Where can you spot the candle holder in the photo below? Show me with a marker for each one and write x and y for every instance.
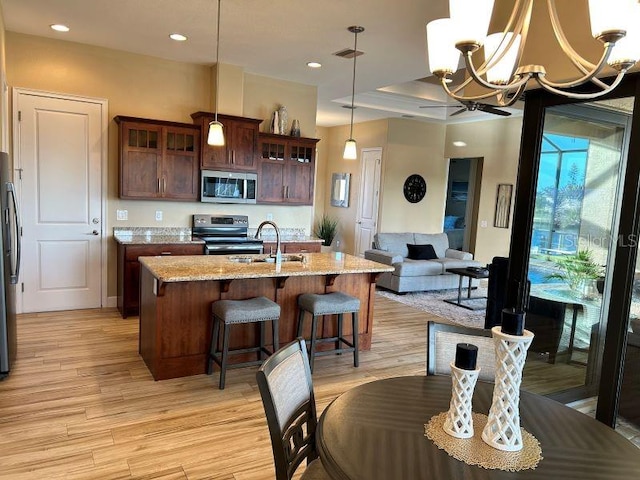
(502, 430)
(459, 421)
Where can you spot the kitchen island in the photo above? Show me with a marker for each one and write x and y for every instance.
(176, 295)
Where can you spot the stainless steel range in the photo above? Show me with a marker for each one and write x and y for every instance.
(225, 234)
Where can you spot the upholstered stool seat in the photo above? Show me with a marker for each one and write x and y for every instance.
(335, 303)
(234, 312)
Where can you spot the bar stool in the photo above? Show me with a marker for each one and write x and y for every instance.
(335, 303)
(233, 312)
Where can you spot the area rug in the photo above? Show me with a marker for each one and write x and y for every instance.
(433, 302)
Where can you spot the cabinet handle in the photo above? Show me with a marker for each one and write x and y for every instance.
(158, 188)
(233, 157)
(284, 191)
(164, 185)
(287, 191)
(165, 253)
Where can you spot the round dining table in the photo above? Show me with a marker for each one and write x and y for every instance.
(376, 432)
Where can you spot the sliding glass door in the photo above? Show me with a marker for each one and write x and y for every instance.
(574, 235)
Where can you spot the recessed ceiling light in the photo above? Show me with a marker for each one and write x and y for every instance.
(58, 27)
(459, 143)
(314, 64)
(178, 37)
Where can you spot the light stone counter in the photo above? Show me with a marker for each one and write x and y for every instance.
(153, 235)
(222, 267)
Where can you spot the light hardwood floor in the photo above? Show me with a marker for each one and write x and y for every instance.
(81, 404)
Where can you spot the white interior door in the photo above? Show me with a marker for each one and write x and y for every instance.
(367, 218)
(58, 155)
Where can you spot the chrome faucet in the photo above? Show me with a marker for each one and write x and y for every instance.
(278, 252)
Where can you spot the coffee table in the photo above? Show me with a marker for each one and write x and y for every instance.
(471, 275)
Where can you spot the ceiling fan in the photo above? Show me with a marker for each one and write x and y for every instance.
(469, 106)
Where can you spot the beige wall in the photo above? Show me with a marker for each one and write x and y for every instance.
(5, 128)
(368, 135)
(148, 87)
(414, 147)
(498, 143)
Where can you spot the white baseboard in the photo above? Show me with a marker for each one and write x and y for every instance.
(112, 302)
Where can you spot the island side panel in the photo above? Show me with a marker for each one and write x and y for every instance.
(175, 326)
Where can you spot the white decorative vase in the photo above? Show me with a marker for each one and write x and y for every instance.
(459, 421)
(283, 118)
(502, 430)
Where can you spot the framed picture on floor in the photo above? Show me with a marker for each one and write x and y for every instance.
(503, 205)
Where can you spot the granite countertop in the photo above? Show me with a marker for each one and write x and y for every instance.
(153, 235)
(182, 235)
(221, 267)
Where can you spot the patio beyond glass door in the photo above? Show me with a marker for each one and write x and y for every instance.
(577, 195)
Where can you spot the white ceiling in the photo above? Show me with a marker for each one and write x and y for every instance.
(274, 38)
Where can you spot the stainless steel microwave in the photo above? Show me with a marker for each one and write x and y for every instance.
(228, 187)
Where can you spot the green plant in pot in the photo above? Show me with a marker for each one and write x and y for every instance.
(579, 271)
(326, 228)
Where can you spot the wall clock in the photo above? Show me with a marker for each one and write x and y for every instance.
(415, 188)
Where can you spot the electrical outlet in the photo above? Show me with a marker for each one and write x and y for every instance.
(483, 224)
(122, 215)
(159, 215)
(270, 216)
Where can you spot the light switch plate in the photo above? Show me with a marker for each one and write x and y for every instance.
(159, 215)
(269, 216)
(483, 224)
(122, 215)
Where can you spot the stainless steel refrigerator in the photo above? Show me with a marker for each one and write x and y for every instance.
(9, 265)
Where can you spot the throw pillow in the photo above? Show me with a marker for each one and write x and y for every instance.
(421, 252)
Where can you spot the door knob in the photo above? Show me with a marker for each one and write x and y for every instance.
(95, 221)
(95, 232)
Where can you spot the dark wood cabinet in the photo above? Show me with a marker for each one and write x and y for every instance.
(241, 142)
(129, 269)
(293, 247)
(286, 169)
(158, 159)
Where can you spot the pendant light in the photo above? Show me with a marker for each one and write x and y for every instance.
(216, 135)
(350, 147)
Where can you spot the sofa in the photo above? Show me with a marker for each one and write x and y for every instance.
(418, 275)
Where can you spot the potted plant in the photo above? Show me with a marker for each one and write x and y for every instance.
(326, 228)
(579, 270)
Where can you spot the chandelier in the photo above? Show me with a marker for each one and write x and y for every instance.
(615, 23)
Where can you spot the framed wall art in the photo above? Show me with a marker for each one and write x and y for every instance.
(503, 205)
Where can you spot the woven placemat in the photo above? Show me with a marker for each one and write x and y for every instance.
(474, 451)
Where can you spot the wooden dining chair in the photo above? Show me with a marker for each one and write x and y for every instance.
(441, 348)
(284, 380)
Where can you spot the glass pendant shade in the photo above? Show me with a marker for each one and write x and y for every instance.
(609, 15)
(471, 18)
(216, 136)
(443, 54)
(627, 49)
(501, 72)
(350, 150)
